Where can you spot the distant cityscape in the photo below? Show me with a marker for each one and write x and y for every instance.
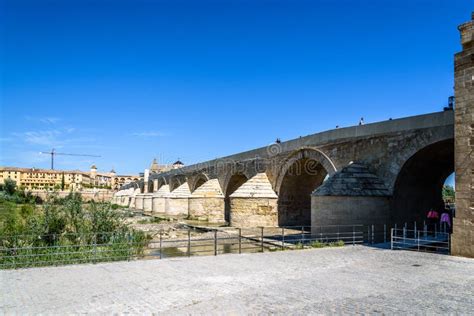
(73, 180)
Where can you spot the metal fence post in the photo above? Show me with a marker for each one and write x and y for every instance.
(449, 244)
(302, 234)
(161, 245)
(262, 239)
(372, 234)
(240, 240)
(95, 249)
(55, 257)
(368, 234)
(189, 242)
(418, 241)
(391, 238)
(384, 233)
(353, 235)
(282, 238)
(215, 242)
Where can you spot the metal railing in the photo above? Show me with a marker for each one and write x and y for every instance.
(257, 239)
(42, 250)
(420, 240)
(29, 250)
(32, 250)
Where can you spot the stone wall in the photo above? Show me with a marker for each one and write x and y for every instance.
(253, 212)
(463, 233)
(349, 210)
(159, 199)
(139, 201)
(148, 203)
(177, 206)
(159, 205)
(207, 209)
(177, 201)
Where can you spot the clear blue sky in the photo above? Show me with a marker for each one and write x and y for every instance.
(133, 80)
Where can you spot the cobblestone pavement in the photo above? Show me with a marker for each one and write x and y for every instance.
(338, 280)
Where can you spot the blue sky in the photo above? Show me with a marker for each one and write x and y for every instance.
(195, 80)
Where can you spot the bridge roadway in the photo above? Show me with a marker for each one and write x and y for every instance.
(352, 279)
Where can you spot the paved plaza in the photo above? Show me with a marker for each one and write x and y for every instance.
(333, 280)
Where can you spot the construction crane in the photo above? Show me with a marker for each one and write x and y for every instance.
(54, 153)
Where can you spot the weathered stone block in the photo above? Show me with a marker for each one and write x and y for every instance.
(139, 201)
(159, 205)
(147, 203)
(207, 208)
(349, 210)
(253, 212)
(177, 203)
(177, 206)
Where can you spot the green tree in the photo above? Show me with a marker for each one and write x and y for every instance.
(448, 192)
(10, 186)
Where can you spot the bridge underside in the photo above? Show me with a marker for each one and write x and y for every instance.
(420, 183)
(294, 198)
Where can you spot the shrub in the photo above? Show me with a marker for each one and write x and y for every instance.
(317, 244)
(299, 245)
(9, 186)
(320, 244)
(72, 227)
(339, 243)
(115, 206)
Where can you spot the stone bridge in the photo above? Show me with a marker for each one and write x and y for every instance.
(391, 171)
(382, 173)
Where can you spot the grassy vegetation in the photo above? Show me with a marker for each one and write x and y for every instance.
(63, 230)
(320, 244)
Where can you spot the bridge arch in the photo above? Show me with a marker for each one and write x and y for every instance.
(231, 184)
(141, 184)
(299, 175)
(419, 183)
(176, 181)
(198, 180)
(161, 182)
(149, 185)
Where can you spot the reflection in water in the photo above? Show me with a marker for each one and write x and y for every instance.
(203, 250)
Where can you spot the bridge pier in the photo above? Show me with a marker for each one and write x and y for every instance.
(352, 196)
(159, 200)
(147, 203)
(134, 197)
(463, 229)
(127, 199)
(139, 201)
(254, 203)
(207, 203)
(177, 202)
